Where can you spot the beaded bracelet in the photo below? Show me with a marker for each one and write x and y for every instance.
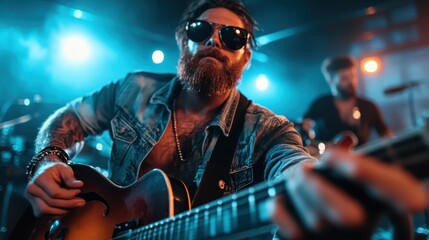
(50, 150)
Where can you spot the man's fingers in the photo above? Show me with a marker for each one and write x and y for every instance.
(67, 176)
(288, 227)
(306, 211)
(53, 189)
(39, 193)
(41, 207)
(333, 204)
(387, 181)
(319, 202)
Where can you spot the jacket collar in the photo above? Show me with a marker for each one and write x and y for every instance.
(223, 119)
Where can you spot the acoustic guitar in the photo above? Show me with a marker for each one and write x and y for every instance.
(158, 207)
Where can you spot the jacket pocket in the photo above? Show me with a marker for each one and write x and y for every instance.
(122, 129)
(241, 177)
(123, 135)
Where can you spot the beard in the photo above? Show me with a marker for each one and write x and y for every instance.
(208, 78)
(345, 93)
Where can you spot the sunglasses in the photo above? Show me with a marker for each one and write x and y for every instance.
(234, 38)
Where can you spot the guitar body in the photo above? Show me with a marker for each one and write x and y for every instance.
(153, 197)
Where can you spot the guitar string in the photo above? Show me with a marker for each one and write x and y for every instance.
(179, 226)
(140, 234)
(146, 230)
(278, 185)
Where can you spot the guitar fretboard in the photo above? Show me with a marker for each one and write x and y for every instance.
(245, 213)
(410, 150)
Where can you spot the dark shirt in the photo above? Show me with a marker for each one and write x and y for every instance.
(328, 121)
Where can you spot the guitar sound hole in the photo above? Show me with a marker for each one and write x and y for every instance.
(92, 196)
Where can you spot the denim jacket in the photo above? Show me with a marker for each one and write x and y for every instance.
(136, 110)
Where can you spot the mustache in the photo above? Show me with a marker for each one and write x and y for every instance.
(211, 53)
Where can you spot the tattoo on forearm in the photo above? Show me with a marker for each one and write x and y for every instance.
(62, 129)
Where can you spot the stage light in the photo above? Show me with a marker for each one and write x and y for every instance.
(75, 48)
(370, 65)
(157, 56)
(322, 148)
(262, 82)
(356, 113)
(27, 102)
(77, 13)
(371, 11)
(99, 146)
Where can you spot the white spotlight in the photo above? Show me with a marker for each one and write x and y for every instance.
(75, 48)
(77, 13)
(157, 56)
(27, 102)
(262, 82)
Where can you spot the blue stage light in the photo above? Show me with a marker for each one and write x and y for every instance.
(262, 82)
(75, 48)
(157, 56)
(77, 13)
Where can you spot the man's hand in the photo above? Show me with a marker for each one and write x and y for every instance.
(53, 190)
(321, 204)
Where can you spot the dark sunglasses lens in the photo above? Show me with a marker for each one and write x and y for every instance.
(234, 38)
(198, 31)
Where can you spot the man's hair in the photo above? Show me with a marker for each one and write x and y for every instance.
(195, 9)
(332, 65)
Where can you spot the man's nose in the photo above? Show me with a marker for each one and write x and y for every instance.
(214, 40)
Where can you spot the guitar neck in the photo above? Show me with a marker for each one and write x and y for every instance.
(409, 150)
(242, 214)
(246, 213)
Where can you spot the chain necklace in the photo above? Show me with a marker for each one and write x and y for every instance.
(176, 136)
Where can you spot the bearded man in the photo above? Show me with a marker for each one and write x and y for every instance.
(173, 123)
(343, 110)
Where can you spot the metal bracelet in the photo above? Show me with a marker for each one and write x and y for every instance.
(50, 150)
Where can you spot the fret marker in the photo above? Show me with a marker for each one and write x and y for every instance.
(213, 226)
(266, 209)
(252, 207)
(234, 213)
(196, 226)
(219, 216)
(206, 222)
(187, 228)
(227, 221)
